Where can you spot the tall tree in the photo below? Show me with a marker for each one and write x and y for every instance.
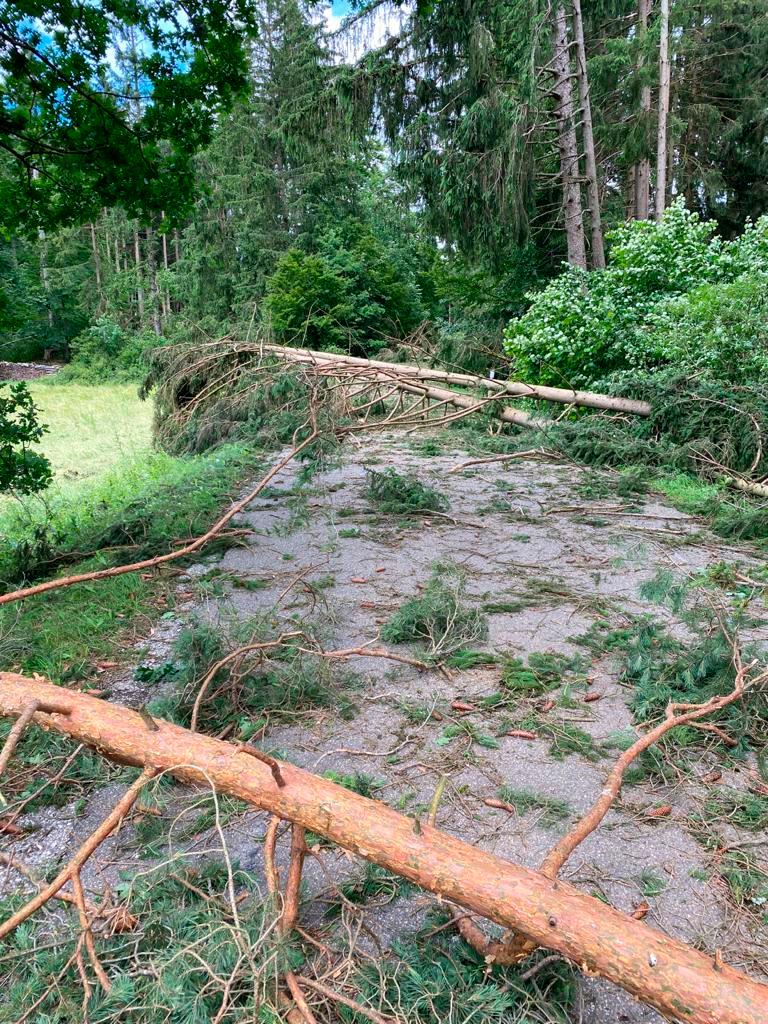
(562, 90)
(593, 184)
(284, 166)
(661, 130)
(642, 169)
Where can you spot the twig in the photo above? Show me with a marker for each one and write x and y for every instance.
(16, 732)
(108, 826)
(266, 759)
(318, 986)
(222, 662)
(293, 880)
(85, 927)
(530, 453)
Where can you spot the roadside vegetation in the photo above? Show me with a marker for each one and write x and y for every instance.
(180, 196)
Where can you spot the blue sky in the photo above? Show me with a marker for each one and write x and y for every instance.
(340, 7)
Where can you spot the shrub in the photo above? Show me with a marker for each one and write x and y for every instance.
(352, 294)
(721, 329)
(107, 351)
(669, 287)
(21, 470)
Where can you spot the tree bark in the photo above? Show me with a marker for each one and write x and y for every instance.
(661, 134)
(593, 185)
(153, 288)
(96, 263)
(567, 144)
(564, 396)
(643, 165)
(677, 980)
(166, 295)
(139, 284)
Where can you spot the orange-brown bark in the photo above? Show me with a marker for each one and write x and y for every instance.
(679, 981)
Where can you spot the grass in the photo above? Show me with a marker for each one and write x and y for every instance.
(91, 429)
(114, 499)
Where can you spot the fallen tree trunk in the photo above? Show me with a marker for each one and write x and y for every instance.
(563, 396)
(679, 981)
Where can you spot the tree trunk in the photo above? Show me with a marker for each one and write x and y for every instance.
(593, 185)
(567, 144)
(643, 166)
(661, 135)
(678, 981)
(139, 284)
(45, 277)
(564, 396)
(96, 263)
(166, 295)
(153, 289)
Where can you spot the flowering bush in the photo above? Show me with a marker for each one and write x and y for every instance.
(658, 301)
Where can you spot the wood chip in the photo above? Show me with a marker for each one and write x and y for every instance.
(523, 734)
(547, 706)
(590, 697)
(640, 911)
(713, 776)
(359, 579)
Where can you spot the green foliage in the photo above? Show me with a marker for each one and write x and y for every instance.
(748, 811)
(353, 294)
(402, 494)
(76, 141)
(251, 688)
(106, 351)
(651, 884)
(137, 507)
(439, 980)
(439, 618)
(375, 887)
(566, 739)
(543, 673)
(640, 311)
(36, 762)
(716, 329)
(469, 732)
(207, 393)
(173, 964)
(22, 470)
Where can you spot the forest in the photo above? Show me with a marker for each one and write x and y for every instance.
(384, 511)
